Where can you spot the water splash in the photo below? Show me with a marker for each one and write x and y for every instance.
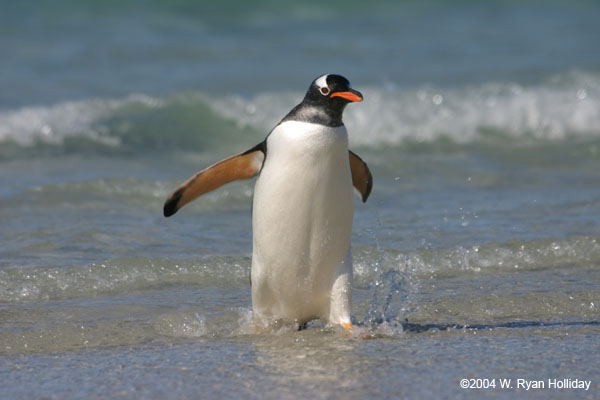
(389, 292)
(388, 295)
(182, 325)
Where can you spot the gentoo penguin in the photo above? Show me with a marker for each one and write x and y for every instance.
(302, 210)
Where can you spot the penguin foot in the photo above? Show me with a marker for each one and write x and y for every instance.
(346, 325)
(359, 332)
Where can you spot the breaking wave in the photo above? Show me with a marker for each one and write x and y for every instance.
(564, 107)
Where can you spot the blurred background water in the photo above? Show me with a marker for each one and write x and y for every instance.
(477, 255)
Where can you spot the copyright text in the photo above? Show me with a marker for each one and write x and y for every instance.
(525, 384)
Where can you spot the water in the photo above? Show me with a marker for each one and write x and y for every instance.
(477, 255)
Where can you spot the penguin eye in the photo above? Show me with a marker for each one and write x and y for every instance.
(325, 90)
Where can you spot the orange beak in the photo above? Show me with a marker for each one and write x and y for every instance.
(351, 95)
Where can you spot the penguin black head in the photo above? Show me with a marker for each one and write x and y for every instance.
(332, 89)
(325, 101)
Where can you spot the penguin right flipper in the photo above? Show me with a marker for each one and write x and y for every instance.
(240, 166)
(362, 179)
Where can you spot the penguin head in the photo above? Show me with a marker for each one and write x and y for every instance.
(332, 90)
(325, 100)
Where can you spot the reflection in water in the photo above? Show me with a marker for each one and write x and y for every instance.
(314, 359)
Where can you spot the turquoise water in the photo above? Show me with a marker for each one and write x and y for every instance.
(476, 256)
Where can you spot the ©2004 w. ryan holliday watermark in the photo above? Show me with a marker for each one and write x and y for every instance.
(524, 384)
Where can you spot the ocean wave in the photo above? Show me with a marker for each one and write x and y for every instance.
(116, 276)
(56, 123)
(123, 275)
(422, 284)
(505, 256)
(132, 125)
(138, 193)
(563, 107)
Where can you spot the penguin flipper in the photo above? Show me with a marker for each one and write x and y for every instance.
(362, 179)
(240, 166)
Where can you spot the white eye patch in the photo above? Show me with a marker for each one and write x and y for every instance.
(321, 83)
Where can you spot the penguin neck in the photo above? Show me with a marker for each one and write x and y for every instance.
(317, 113)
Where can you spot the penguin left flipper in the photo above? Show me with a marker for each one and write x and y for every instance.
(362, 179)
(240, 166)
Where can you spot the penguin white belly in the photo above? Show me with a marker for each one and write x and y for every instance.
(302, 222)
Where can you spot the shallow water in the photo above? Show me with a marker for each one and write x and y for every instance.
(476, 256)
